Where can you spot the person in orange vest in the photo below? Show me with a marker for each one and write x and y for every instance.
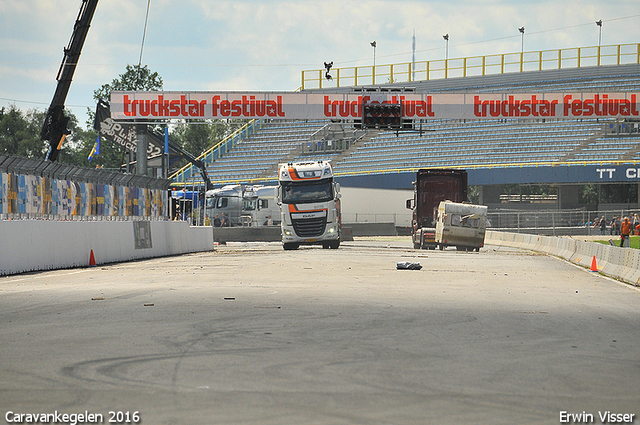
(625, 231)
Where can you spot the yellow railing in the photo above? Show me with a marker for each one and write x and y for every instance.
(459, 167)
(181, 176)
(617, 54)
(489, 166)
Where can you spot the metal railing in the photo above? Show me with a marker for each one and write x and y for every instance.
(555, 223)
(187, 172)
(577, 57)
(558, 223)
(395, 170)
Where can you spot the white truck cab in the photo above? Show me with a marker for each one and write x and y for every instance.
(309, 205)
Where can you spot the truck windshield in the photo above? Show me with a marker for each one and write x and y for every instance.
(305, 192)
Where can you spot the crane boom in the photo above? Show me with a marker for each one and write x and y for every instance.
(54, 128)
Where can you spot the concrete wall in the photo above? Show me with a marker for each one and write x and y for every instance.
(273, 234)
(29, 245)
(247, 234)
(618, 263)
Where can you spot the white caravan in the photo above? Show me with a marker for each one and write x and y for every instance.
(461, 225)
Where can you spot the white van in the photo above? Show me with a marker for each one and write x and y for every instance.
(461, 225)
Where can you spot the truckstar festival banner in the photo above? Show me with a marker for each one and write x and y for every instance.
(136, 105)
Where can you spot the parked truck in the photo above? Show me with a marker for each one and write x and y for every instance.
(430, 188)
(309, 201)
(242, 205)
(461, 225)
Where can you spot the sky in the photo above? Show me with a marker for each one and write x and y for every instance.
(238, 45)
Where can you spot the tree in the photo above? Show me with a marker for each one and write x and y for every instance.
(197, 137)
(111, 156)
(20, 132)
(135, 77)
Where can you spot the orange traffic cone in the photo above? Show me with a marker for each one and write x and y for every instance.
(594, 267)
(92, 259)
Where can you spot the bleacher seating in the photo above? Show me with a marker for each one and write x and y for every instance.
(447, 143)
(255, 156)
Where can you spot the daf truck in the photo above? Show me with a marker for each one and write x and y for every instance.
(430, 188)
(309, 201)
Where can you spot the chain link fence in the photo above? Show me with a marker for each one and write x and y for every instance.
(557, 223)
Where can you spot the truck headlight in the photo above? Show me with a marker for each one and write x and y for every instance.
(332, 229)
(287, 232)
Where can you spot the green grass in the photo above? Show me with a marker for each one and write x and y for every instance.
(633, 240)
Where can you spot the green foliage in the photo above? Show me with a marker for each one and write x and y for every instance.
(197, 137)
(20, 132)
(634, 241)
(619, 193)
(589, 194)
(474, 194)
(135, 77)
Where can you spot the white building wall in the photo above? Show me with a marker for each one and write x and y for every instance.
(361, 205)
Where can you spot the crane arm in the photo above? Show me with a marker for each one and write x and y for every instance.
(54, 128)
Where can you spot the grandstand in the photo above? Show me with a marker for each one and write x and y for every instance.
(542, 147)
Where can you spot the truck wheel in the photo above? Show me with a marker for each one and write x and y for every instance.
(325, 246)
(290, 246)
(334, 245)
(416, 245)
(441, 247)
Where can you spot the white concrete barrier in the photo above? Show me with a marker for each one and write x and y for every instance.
(613, 261)
(29, 245)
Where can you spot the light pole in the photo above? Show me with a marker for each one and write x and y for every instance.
(599, 24)
(373, 71)
(446, 53)
(521, 29)
(446, 46)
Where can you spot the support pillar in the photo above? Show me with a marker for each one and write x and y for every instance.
(141, 149)
(489, 194)
(568, 197)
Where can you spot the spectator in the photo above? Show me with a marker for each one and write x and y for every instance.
(635, 222)
(223, 221)
(603, 226)
(625, 231)
(216, 221)
(612, 227)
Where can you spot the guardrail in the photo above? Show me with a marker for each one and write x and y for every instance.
(619, 263)
(577, 57)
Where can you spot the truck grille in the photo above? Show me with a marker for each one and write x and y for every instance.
(309, 227)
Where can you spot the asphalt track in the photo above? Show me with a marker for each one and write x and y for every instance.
(252, 334)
